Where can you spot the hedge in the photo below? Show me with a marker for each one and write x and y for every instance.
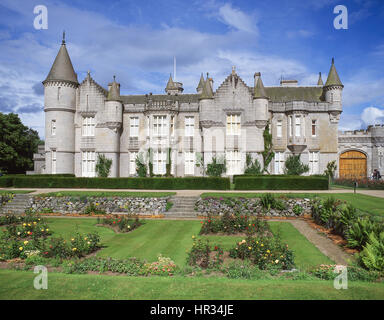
(211, 183)
(280, 183)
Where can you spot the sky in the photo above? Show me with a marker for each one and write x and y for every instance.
(137, 40)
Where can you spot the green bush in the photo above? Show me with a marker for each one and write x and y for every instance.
(372, 256)
(272, 182)
(207, 183)
(293, 166)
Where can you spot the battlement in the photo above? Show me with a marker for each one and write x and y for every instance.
(354, 133)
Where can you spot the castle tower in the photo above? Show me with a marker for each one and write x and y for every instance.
(320, 81)
(260, 101)
(173, 87)
(60, 106)
(200, 86)
(110, 144)
(333, 88)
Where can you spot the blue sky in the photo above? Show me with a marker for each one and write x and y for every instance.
(136, 41)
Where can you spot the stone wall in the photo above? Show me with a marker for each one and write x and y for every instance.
(251, 206)
(65, 205)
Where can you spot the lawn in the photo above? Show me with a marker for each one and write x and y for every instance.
(172, 238)
(2, 191)
(365, 203)
(107, 194)
(19, 285)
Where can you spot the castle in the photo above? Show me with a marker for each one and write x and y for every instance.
(84, 119)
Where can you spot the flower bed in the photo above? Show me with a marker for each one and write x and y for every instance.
(121, 223)
(267, 205)
(361, 183)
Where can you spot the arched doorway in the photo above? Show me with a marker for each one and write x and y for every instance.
(353, 165)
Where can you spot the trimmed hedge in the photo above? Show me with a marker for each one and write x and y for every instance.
(6, 182)
(272, 182)
(211, 183)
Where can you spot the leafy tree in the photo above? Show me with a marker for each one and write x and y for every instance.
(103, 166)
(18, 143)
(293, 166)
(141, 167)
(252, 167)
(217, 167)
(268, 153)
(331, 169)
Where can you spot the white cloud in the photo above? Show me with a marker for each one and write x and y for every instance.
(237, 19)
(373, 115)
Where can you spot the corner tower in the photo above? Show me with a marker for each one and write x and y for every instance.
(333, 88)
(60, 106)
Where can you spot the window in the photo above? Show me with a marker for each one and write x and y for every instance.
(279, 128)
(297, 126)
(148, 126)
(172, 125)
(290, 128)
(189, 161)
(279, 162)
(53, 154)
(53, 127)
(58, 93)
(159, 162)
(160, 125)
(233, 124)
(233, 159)
(134, 127)
(88, 164)
(132, 163)
(314, 123)
(88, 126)
(189, 126)
(314, 162)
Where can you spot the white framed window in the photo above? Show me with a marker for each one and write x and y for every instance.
(189, 163)
(134, 126)
(88, 128)
(132, 163)
(58, 93)
(279, 128)
(172, 126)
(159, 162)
(148, 126)
(189, 126)
(173, 164)
(314, 128)
(88, 164)
(313, 162)
(279, 162)
(53, 160)
(53, 127)
(297, 126)
(290, 127)
(233, 124)
(159, 125)
(233, 159)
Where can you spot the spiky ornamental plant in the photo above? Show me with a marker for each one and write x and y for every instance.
(252, 166)
(103, 166)
(141, 167)
(268, 153)
(293, 166)
(372, 256)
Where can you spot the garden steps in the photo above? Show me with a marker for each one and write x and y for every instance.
(18, 204)
(183, 207)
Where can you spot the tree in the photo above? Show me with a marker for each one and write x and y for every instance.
(18, 143)
(103, 166)
(141, 167)
(331, 169)
(252, 167)
(217, 167)
(268, 153)
(200, 162)
(293, 166)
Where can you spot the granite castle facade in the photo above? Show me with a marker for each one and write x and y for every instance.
(84, 119)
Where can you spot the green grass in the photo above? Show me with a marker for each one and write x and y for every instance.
(2, 191)
(172, 238)
(369, 204)
(107, 194)
(19, 285)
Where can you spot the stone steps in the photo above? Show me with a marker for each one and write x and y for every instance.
(183, 207)
(18, 204)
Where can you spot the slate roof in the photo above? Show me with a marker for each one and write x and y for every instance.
(333, 78)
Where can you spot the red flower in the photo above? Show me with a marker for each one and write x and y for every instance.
(114, 222)
(200, 222)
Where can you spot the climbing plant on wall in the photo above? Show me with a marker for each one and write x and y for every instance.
(268, 153)
(169, 163)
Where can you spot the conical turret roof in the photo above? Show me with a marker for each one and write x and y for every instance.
(259, 91)
(201, 83)
(333, 78)
(207, 92)
(170, 84)
(320, 81)
(114, 91)
(62, 68)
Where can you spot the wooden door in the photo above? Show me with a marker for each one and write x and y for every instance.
(353, 165)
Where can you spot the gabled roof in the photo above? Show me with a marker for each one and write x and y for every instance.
(333, 78)
(62, 69)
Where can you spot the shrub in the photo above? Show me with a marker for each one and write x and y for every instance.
(103, 166)
(293, 166)
(123, 223)
(217, 167)
(268, 202)
(93, 208)
(372, 256)
(355, 273)
(252, 166)
(273, 182)
(361, 183)
(199, 254)
(141, 167)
